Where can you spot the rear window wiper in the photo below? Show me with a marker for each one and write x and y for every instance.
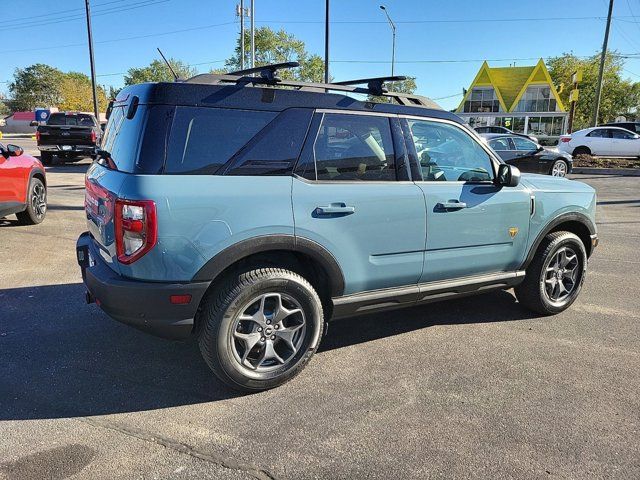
(104, 158)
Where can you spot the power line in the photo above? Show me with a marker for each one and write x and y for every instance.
(476, 20)
(448, 96)
(10, 20)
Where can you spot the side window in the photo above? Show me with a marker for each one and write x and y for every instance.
(599, 133)
(621, 134)
(204, 139)
(354, 147)
(523, 144)
(275, 149)
(448, 153)
(500, 144)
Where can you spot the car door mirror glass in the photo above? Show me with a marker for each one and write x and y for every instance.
(14, 150)
(508, 175)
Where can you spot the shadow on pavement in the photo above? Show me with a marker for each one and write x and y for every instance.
(62, 358)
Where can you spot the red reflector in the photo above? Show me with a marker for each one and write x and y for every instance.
(180, 299)
(133, 225)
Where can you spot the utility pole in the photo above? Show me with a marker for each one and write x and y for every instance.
(326, 42)
(93, 67)
(602, 60)
(253, 35)
(393, 41)
(240, 12)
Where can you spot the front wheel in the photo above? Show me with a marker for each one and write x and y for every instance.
(260, 328)
(554, 278)
(559, 168)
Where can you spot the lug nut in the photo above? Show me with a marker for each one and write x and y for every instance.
(276, 327)
(259, 329)
(268, 322)
(262, 339)
(273, 337)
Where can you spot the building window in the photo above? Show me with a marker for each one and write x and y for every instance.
(537, 98)
(545, 126)
(482, 100)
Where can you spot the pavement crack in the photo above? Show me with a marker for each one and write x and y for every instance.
(181, 448)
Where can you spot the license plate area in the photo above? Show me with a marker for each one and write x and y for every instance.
(66, 147)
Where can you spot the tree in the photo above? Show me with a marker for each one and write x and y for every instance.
(36, 86)
(157, 71)
(279, 47)
(618, 96)
(77, 93)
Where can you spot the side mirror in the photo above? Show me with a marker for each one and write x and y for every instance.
(33, 123)
(508, 175)
(540, 148)
(14, 150)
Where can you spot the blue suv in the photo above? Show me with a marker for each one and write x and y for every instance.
(248, 215)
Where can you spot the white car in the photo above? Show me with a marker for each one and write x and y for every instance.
(604, 141)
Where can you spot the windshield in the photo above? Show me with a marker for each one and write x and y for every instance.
(79, 119)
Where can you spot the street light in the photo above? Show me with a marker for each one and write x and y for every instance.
(393, 31)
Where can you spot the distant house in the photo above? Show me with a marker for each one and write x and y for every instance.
(522, 99)
(18, 122)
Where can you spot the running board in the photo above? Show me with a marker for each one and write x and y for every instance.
(399, 297)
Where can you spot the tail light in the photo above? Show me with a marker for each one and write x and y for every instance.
(93, 136)
(565, 139)
(37, 136)
(136, 229)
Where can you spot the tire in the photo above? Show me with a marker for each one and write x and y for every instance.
(240, 351)
(36, 204)
(581, 151)
(533, 292)
(45, 158)
(559, 169)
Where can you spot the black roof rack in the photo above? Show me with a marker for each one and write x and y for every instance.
(375, 86)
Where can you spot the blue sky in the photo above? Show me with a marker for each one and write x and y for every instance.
(441, 43)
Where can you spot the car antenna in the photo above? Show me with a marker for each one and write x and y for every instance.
(175, 76)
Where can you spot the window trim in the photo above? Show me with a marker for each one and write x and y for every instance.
(308, 150)
(493, 157)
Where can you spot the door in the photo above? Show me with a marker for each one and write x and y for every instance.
(526, 155)
(473, 226)
(624, 143)
(353, 196)
(504, 148)
(12, 179)
(599, 141)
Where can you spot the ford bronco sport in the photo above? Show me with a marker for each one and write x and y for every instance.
(248, 215)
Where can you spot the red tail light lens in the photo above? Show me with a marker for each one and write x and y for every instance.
(565, 139)
(93, 136)
(136, 229)
(37, 136)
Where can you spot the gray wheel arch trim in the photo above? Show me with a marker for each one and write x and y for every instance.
(267, 243)
(565, 217)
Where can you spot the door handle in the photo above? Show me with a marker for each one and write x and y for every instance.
(455, 205)
(334, 209)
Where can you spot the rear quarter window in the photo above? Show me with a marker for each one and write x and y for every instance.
(204, 139)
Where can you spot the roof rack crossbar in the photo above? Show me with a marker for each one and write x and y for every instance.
(351, 86)
(267, 72)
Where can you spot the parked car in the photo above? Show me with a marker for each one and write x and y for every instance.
(23, 186)
(249, 215)
(496, 129)
(528, 156)
(633, 127)
(69, 136)
(604, 141)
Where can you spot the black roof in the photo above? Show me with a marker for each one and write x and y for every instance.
(261, 98)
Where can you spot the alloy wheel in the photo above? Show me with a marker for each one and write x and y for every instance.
(559, 169)
(268, 332)
(39, 200)
(561, 275)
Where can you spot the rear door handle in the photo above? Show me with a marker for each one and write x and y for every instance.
(335, 209)
(451, 205)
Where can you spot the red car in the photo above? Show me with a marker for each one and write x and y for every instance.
(23, 186)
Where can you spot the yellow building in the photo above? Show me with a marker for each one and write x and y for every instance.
(522, 99)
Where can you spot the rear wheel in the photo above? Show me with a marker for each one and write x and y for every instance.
(260, 328)
(559, 168)
(581, 151)
(36, 204)
(555, 276)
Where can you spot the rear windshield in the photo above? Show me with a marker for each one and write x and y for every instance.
(80, 119)
(204, 139)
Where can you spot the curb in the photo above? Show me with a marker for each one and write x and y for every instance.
(625, 172)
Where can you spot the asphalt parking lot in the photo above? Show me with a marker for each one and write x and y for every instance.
(475, 387)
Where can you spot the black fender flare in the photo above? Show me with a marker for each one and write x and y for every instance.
(565, 217)
(265, 243)
(36, 170)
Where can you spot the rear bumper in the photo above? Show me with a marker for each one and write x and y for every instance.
(143, 305)
(86, 149)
